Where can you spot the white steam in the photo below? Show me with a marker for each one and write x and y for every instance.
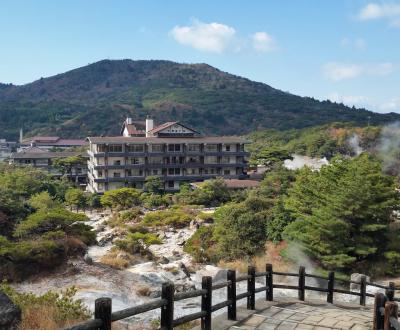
(389, 147)
(354, 144)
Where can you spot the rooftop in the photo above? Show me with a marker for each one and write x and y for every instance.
(158, 140)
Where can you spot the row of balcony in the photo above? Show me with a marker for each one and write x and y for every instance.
(170, 165)
(188, 177)
(174, 153)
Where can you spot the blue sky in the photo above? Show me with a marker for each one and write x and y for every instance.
(344, 50)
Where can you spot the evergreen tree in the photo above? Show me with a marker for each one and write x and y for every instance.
(343, 211)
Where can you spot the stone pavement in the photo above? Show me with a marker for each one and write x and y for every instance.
(304, 316)
(290, 314)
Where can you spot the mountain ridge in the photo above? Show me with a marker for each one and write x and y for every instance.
(94, 99)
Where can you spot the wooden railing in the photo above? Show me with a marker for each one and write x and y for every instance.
(103, 316)
(385, 313)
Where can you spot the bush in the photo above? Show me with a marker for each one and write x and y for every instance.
(137, 242)
(174, 217)
(63, 308)
(201, 245)
(43, 221)
(124, 217)
(122, 198)
(239, 231)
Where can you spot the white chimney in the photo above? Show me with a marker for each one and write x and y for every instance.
(129, 121)
(149, 125)
(21, 135)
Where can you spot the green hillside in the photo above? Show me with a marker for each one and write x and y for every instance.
(94, 99)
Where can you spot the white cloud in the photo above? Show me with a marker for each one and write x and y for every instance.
(344, 71)
(209, 37)
(391, 105)
(263, 42)
(357, 43)
(375, 11)
(339, 71)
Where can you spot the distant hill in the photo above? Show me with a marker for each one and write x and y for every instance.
(94, 99)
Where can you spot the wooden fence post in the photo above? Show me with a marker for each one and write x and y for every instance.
(331, 286)
(206, 302)
(390, 312)
(102, 310)
(167, 311)
(363, 290)
(390, 291)
(269, 283)
(379, 305)
(302, 282)
(231, 276)
(251, 287)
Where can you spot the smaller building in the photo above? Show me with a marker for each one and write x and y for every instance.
(44, 160)
(6, 149)
(51, 142)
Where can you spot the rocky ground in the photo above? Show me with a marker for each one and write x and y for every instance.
(94, 279)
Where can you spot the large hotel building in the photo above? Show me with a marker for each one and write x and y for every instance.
(171, 151)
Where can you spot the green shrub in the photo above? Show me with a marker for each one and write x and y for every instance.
(48, 220)
(201, 245)
(137, 242)
(174, 217)
(120, 219)
(67, 308)
(122, 198)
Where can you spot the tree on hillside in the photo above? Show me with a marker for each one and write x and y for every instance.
(76, 197)
(43, 201)
(341, 213)
(122, 198)
(154, 185)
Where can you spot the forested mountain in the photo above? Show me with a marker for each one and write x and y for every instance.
(94, 99)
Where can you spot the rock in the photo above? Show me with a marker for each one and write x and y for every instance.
(155, 294)
(10, 314)
(356, 277)
(184, 269)
(164, 260)
(88, 259)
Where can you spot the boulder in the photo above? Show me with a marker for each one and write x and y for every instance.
(356, 277)
(88, 259)
(10, 314)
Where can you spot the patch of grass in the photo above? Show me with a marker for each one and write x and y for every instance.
(117, 258)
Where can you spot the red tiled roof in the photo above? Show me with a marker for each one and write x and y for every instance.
(163, 126)
(132, 130)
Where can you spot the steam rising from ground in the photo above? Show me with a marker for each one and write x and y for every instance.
(389, 147)
(354, 144)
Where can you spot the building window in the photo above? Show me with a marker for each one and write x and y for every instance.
(174, 171)
(136, 160)
(227, 172)
(115, 148)
(227, 147)
(100, 174)
(155, 172)
(194, 147)
(174, 147)
(211, 147)
(155, 160)
(117, 175)
(211, 159)
(156, 148)
(135, 148)
(101, 148)
(117, 162)
(171, 184)
(226, 160)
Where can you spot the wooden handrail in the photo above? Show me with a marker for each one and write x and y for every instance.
(104, 317)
